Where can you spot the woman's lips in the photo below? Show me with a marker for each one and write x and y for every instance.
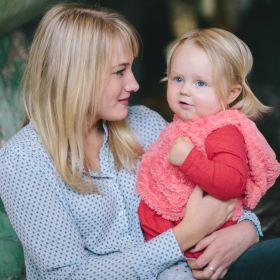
(124, 101)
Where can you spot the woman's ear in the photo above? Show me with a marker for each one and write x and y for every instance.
(234, 92)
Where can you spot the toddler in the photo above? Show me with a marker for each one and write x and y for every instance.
(212, 141)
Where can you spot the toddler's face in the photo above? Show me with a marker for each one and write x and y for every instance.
(190, 92)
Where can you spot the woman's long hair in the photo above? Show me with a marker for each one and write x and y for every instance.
(69, 61)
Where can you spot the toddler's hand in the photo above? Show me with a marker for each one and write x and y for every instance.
(180, 150)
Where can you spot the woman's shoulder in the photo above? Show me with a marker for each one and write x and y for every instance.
(140, 114)
(24, 145)
(142, 111)
(146, 123)
(24, 163)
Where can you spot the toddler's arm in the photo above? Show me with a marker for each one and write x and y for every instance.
(223, 173)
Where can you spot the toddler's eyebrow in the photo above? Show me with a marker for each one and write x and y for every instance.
(201, 77)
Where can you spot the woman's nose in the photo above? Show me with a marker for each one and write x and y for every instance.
(132, 85)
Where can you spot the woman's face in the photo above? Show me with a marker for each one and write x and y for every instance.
(119, 86)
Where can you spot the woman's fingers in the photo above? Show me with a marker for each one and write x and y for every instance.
(194, 265)
(224, 273)
(209, 274)
(224, 247)
(202, 244)
(209, 265)
(227, 206)
(218, 274)
(231, 207)
(206, 273)
(201, 262)
(212, 271)
(204, 215)
(196, 196)
(219, 210)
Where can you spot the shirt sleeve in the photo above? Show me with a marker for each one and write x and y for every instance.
(52, 240)
(248, 215)
(223, 173)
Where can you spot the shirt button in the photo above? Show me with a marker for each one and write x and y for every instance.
(129, 244)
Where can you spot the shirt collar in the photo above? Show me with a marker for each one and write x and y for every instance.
(106, 159)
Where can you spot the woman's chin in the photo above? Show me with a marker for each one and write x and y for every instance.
(119, 115)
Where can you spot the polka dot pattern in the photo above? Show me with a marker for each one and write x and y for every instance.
(67, 235)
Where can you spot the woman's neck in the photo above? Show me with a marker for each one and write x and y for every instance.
(93, 144)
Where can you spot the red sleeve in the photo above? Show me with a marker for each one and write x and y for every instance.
(152, 224)
(224, 173)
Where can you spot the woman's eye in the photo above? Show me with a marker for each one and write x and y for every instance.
(120, 72)
(200, 84)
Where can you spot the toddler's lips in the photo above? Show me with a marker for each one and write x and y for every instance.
(185, 105)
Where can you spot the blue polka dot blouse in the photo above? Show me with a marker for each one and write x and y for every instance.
(67, 235)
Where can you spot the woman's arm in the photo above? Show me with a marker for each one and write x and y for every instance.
(53, 243)
(222, 248)
(197, 224)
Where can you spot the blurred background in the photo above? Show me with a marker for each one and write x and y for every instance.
(158, 23)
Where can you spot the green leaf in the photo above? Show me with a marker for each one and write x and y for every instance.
(6, 229)
(11, 259)
(5, 44)
(2, 209)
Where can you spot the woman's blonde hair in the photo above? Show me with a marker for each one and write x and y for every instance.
(69, 61)
(231, 61)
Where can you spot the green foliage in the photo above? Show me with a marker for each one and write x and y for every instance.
(12, 50)
(4, 51)
(15, 13)
(11, 253)
(11, 68)
(2, 207)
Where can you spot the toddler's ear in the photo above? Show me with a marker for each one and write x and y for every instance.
(234, 92)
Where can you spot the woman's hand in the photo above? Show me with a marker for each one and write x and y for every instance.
(203, 215)
(179, 150)
(222, 248)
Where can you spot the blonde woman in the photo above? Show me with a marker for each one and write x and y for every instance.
(68, 177)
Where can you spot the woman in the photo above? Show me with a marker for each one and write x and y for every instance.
(67, 178)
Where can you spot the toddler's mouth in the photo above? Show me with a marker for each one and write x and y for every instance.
(185, 103)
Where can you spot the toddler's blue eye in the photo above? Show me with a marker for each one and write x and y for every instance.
(177, 79)
(200, 84)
